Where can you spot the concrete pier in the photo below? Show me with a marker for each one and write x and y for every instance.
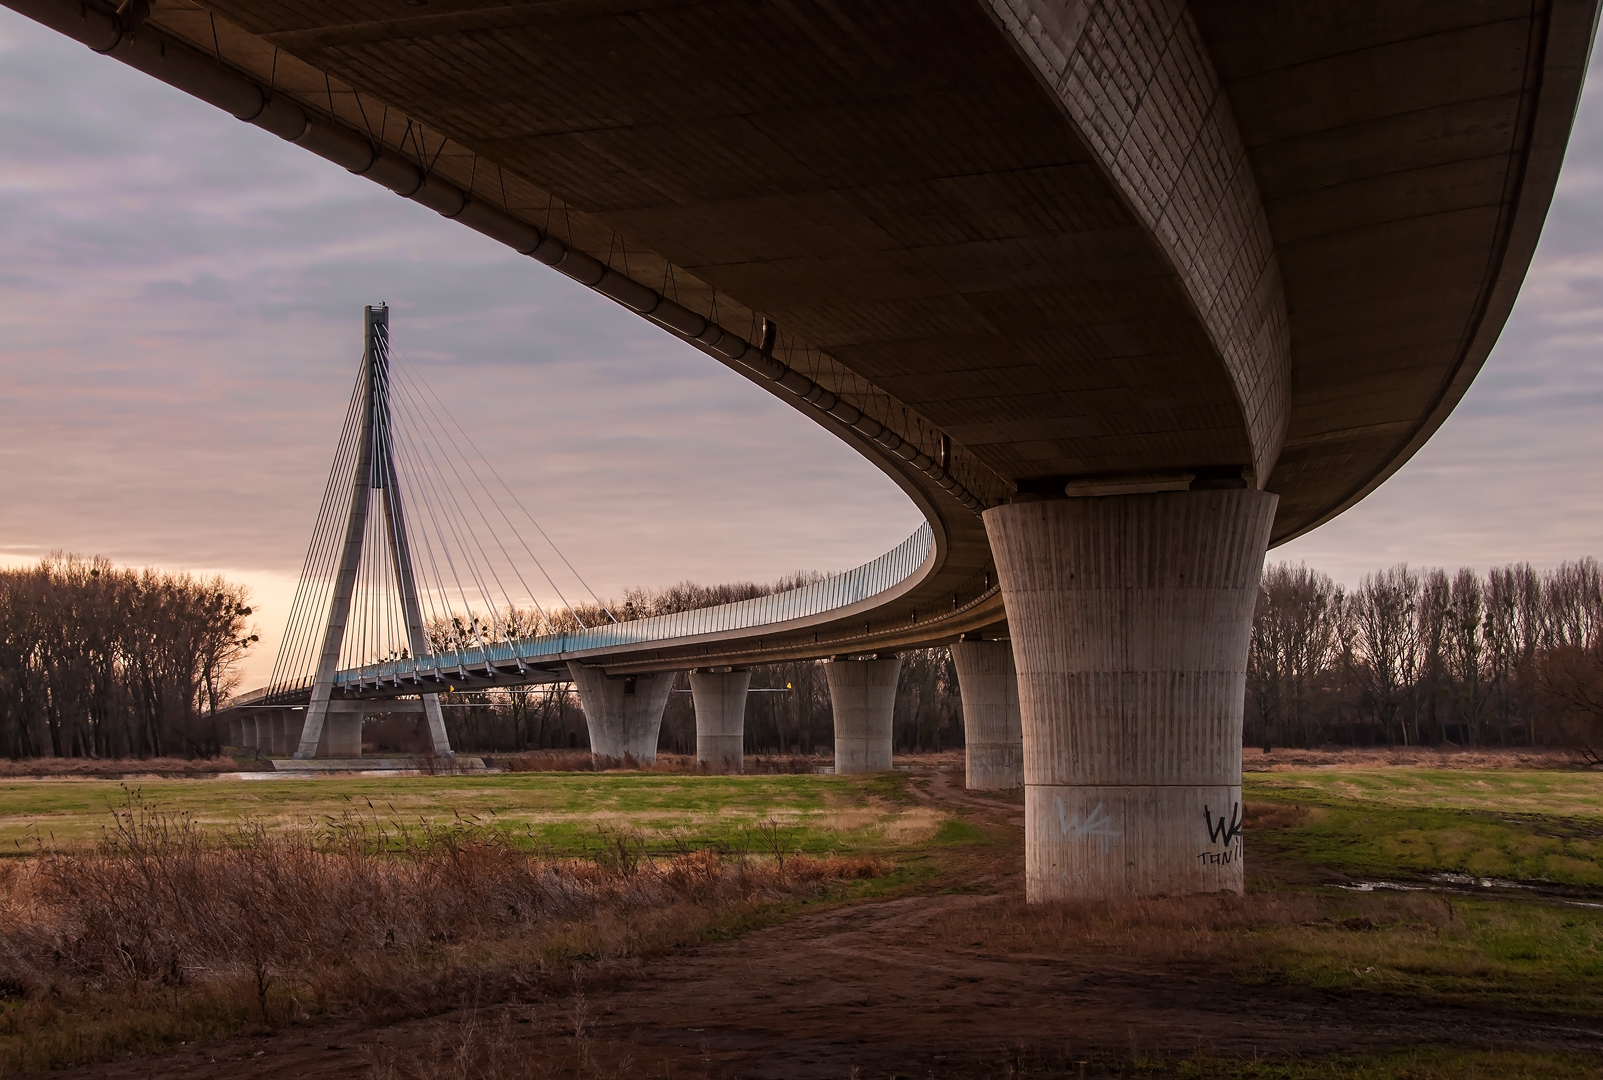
(1130, 617)
(294, 721)
(862, 694)
(993, 734)
(342, 734)
(623, 712)
(720, 700)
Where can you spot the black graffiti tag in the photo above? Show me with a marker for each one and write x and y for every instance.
(1224, 830)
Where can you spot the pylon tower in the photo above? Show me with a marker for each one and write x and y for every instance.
(374, 473)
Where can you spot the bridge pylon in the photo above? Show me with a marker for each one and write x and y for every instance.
(373, 473)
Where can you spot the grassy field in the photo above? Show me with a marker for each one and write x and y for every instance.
(1536, 951)
(1535, 826)
(556, 813)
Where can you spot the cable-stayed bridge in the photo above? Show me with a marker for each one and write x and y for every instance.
(1120, 294)
(417, 582)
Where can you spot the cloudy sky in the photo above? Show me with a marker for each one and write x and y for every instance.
(180, 299)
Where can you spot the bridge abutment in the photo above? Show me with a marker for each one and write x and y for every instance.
(623, 712)
(862, 695)
(993, 735)
(1130, 618)
(720, 703)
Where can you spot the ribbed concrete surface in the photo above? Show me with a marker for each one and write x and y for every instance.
(720, 700)
(1138, 82)
(1130, 617)
(993, 735)
(862, 694)
(621, 722)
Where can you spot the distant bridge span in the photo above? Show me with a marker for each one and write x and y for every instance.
(1148, 285)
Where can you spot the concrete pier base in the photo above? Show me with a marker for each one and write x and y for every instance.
(272, 739)
(342, 735)
(720, 700)
(862, 694)
(623, 712)
(993, 734)
(294, 722)
(1130, 617)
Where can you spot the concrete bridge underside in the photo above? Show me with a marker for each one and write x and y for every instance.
(1147, 285)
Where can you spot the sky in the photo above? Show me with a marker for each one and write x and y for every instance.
(180, 322)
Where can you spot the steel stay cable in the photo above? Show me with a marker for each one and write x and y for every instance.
(511, 562)
(288, 663)
(484, 593)
(493, 535)
(518, 502)
(414, 468)
(431, 474)
(477, 541)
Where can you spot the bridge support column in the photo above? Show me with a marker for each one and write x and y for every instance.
(1130, 617)
(342, 735)
(236, 732)
(294, 721)
(623, 712)
(993, 736)
(862, 695)
(720, 700)
(247, 729)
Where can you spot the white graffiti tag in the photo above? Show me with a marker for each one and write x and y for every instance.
(1095, 824)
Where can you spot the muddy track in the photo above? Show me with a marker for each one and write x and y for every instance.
(882, 987)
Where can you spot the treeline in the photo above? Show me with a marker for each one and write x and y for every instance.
(104, 661)
(1420, 657)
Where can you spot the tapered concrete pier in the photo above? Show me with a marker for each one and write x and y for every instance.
(862, 694)
(720, 701)
(993, 734)
(623, 712)
(1130, 617)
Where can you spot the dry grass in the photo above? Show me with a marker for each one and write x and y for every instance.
(1254, 759)
(673, 764)
(166, 932)
(115, 768)
(1267, 815)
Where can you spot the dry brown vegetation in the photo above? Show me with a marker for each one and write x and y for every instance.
(585, 761)
(115, 768)
(166, 932)
(1415, 757)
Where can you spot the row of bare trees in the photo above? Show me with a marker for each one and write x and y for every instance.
(1408, 657)
(103, 661)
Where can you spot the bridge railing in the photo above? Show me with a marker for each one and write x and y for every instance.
(832, 594)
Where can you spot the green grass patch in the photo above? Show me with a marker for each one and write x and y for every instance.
(559, 813)
(1412, 822)
(1508, 792)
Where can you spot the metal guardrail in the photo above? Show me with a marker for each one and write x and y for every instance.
(832, 594)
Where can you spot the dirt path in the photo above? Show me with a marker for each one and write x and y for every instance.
(877, 989)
